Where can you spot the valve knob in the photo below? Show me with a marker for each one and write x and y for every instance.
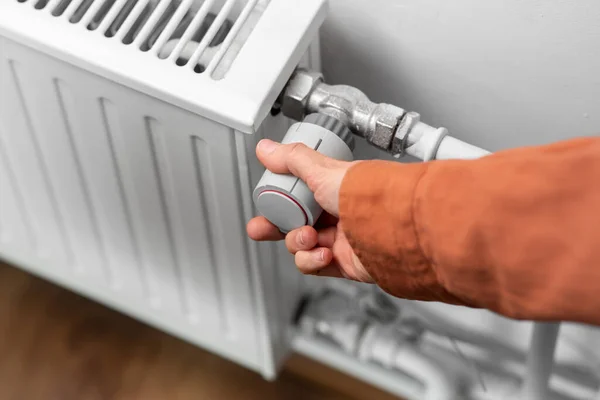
(285, 200)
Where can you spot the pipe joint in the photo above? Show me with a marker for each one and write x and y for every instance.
(307, 93)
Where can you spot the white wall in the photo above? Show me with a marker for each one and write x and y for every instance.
(496, 73)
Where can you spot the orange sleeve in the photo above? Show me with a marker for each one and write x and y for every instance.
(516, 232)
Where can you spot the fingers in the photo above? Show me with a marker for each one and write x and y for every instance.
(304, 238)
(326, 237)
(295, 158)
(313, 249)
(260, 229)
(307, 237)
(319, 262)
(311, 261)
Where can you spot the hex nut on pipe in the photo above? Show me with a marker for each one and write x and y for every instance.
(386, 118)
(399, 142)
(295, 98)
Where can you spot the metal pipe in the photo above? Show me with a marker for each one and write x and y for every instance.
(385, 126)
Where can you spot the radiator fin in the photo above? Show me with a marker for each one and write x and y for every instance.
(87, 214)
(110, 194)
(204, 36)
(15, 223)
(25, 150)
(204, 242)
(163, 177)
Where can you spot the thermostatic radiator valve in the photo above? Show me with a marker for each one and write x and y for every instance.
(285, 200)
(330, 114)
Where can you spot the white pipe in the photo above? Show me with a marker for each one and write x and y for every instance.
(380, 344)
(428, 143)
(389, 380)
(439, 386)
(540, 360)
(453, 148)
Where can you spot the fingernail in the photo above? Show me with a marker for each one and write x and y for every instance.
(267, 146)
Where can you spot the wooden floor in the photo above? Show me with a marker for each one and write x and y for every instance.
(56, 345)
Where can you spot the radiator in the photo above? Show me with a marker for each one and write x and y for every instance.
(127, 138)
(126, 173)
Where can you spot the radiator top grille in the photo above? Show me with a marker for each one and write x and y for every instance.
(203, 36)
(225, 60)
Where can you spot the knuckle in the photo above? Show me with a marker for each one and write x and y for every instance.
(314, 181)
(296, 150)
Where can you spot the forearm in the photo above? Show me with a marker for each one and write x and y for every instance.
(517, 232)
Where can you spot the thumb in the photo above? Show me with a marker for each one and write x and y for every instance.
(294, 158)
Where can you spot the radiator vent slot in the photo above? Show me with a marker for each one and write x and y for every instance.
(202, 36)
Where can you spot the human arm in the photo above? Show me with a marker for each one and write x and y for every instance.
(516, 232)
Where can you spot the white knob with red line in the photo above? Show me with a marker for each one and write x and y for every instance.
(285, 200)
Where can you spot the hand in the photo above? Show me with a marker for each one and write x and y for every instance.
(322, 250)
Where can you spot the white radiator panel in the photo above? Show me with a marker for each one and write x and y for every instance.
(128, 198)
(126, 175)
